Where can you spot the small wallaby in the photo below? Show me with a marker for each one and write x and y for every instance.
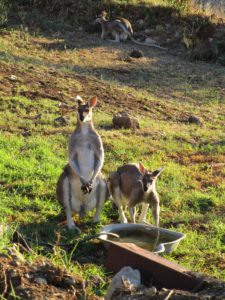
(120, 29)
(131, 185)
(81, 186)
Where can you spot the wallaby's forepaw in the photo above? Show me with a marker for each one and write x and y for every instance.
(87, 188)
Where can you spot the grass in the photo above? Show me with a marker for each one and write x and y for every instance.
(33, 148)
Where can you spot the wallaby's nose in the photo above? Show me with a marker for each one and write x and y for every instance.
(145, 188)
(81, 118)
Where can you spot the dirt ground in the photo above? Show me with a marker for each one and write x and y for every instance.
(42, 280)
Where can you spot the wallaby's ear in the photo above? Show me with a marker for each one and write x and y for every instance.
(93, 101)
(103, 13)
(79, 100)
(156, 173)
(142, 168)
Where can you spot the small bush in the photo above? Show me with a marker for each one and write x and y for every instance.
(4, 9)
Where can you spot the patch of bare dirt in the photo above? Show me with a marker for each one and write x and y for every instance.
(40, 280)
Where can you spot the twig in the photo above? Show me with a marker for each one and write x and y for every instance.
(169, 295)
(78, 241)
(5, 283)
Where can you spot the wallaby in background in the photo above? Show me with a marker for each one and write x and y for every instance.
(81, 186)
(131, 185)
(120, 29)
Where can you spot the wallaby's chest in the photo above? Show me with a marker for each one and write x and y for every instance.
(86, 157)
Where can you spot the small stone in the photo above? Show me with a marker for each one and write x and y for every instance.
(150, 41)
(136, 54)
(150, 291)
(69, 281)
(40, 280)
(12, 77)
(194, 120)
(148, 31)
(61, 121)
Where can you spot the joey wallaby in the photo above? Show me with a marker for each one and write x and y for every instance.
(81, 186)
(120, 29)
(131, 185)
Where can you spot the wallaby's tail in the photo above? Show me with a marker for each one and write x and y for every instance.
(146, 44)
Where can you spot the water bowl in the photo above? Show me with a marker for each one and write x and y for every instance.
(151, 238)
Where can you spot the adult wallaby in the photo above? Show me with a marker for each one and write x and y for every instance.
(132, 184)
(81, 186)
(120, 29)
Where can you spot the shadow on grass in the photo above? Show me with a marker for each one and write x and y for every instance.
(45, 236)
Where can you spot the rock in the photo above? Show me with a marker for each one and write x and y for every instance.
(61, 121)
(149, 292)
(40, 280)
(69, 281)
(150, 41)
(12, 77)
(194, 120)
(149, 31)
(123, 120)
(136, 54)
(126, 279)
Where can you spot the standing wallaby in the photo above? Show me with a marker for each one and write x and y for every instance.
(132, 184)
(81, 187)
(120, 29)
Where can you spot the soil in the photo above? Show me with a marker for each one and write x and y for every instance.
(40, 280)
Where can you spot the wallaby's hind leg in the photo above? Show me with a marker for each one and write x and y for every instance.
(118, 202)
(116, 36)
(114, 187)
(123, 37)
(132, 211)
(155, 207)
(101, 198)
(143, 214)
(155, 213)
(133, 200)
(67, 195)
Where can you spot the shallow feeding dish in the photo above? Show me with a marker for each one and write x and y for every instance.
(148, 237)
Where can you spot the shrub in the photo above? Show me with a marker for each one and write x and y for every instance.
(4, 9)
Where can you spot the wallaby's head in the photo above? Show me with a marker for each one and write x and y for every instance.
(84, 112)
(149, 178)
(100, 19)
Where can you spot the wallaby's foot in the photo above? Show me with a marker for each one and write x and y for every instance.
(74, 228)
(114, 41)
(124, 220)
(96, 218)
(142, 220)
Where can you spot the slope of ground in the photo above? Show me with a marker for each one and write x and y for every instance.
(40, 71)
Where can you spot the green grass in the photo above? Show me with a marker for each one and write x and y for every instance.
(33, 151)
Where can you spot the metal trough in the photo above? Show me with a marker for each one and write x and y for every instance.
(153, 267)
(154, 239)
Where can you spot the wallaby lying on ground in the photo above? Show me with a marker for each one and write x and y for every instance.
(81, 187)
(120, 29)
(132, 184)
